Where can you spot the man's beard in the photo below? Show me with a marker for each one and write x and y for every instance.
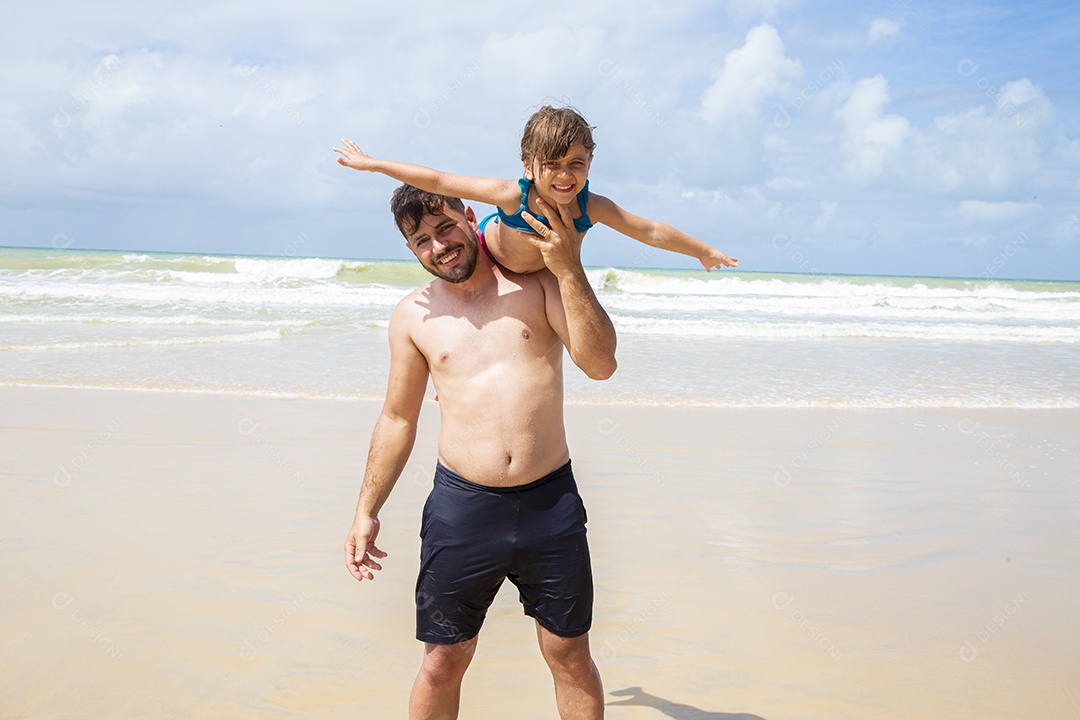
(466, 263)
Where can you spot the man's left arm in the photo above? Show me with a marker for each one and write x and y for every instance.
(572, 308)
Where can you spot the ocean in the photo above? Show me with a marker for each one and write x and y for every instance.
(316, 328)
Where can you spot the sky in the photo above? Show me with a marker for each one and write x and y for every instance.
(896, 138)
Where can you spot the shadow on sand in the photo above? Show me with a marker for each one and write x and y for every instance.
(637, 696)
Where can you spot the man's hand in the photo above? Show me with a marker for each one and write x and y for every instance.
(560, 244)
(716, 259)
(352, 156)
(360, 550)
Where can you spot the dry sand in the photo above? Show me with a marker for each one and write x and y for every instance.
(180, 556)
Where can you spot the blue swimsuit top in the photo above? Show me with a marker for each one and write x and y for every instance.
(582, 223)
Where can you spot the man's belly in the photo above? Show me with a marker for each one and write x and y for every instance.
(503, 444)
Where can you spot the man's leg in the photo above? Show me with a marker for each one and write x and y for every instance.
(436, 692)
(579, 693)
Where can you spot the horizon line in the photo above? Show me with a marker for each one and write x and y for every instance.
(591, 267)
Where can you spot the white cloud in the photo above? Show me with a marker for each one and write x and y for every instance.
(995, 149)
(979, 211)
(1021, 101)
(1067, 229)
(755, 9)
(119, 85)
(882, 29)
(1070, 151)
(750, 75)
(565, 56)
(148, 124)
(829, 210)
(872, 139)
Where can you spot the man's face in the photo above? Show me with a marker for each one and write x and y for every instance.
(446, 245)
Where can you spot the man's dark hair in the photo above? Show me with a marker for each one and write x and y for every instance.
(409, 205)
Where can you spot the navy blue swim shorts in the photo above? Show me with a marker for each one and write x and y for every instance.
(474, 536)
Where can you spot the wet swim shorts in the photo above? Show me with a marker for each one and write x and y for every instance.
(474, 536)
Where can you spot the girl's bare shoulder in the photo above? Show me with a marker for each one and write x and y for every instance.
(601, 208)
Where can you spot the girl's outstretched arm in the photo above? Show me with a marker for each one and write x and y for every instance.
(655, 233)
(493, 191)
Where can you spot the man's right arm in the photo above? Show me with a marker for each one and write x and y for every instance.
(391, 443)
(572, 308)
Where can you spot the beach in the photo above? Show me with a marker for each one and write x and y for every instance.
(179, 554)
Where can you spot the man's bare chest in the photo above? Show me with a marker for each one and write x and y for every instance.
(472, 343)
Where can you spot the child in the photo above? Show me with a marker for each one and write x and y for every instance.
(556, 150)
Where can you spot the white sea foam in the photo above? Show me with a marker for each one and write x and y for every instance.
(311, 268)
(129, 343)
(185, 390)
(233, 290)
(880, 402)
(779, 295)
(700, 327)
(637, 282)
(151, 321)
(895, 402)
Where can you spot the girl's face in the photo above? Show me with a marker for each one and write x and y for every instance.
(559, 181)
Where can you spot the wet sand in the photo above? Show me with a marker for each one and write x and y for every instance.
(171, 555)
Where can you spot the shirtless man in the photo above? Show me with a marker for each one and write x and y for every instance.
(504, 502)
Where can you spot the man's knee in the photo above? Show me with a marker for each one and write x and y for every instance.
(447, 663)
(569, 655)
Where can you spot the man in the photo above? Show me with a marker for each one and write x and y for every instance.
(504, 502)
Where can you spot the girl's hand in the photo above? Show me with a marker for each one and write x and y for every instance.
(716, 259)
(353, 157)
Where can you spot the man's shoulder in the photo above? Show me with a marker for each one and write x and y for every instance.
(415, 296)
(408, 307)
(544, 279)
